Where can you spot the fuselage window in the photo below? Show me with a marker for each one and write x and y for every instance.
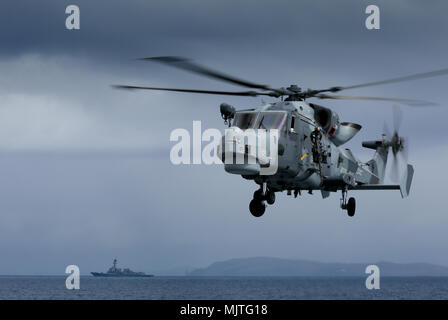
(272, 120)
(266, 120)
(244, 120)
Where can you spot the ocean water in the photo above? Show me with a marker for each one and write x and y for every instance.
(239, 288)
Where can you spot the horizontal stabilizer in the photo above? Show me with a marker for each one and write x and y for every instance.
(372, 144)
(375, 187)
(404, 186)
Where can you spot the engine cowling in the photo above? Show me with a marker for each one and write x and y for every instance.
(338, 133)
(327, 119)
(344, 132)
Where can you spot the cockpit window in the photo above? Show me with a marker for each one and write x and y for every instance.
(272, 120)
(245, 120)
(266, 120)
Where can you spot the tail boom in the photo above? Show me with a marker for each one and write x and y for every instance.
(377, 167)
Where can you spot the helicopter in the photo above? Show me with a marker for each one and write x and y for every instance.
(311, 143)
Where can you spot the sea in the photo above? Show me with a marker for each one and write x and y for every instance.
(221, 288)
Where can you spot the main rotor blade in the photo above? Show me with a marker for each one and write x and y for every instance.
(229, 93)
(405, 101)
(188, 65)
(387, 81)
(401, 79)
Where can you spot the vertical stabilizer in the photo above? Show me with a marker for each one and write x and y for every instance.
(406, 181)
(378, 163)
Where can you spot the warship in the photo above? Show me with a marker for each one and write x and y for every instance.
(117, 272)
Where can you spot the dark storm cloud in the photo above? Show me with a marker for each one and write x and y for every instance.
(85, 169)
(313, 44)
(119, 28)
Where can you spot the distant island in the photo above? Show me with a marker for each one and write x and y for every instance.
(265, 266)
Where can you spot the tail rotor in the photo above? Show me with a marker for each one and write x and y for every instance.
(398, 144)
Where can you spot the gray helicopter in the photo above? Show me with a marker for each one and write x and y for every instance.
(311, 152)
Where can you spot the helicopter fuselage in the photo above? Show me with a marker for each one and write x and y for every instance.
(309, 155)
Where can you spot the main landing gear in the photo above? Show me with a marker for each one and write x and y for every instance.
(349, 205)
(258, 206)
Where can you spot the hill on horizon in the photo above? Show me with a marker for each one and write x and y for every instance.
(266, 266)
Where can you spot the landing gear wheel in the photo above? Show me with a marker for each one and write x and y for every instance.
(257, 208)
(351, 207)
(270, 197)
(258, 195)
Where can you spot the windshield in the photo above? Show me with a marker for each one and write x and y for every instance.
(272, 120)
(244, 120)
(267, 120)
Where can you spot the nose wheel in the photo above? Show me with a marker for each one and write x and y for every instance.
(349, 205)
(257, 206)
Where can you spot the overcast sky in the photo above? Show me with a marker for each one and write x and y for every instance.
(85, 170)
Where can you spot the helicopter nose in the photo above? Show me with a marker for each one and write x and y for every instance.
(241, 154)
(238, 152)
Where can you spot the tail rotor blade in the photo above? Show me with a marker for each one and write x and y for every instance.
(405, 150)
(398, 118)
(386, 130)
(394, 170)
